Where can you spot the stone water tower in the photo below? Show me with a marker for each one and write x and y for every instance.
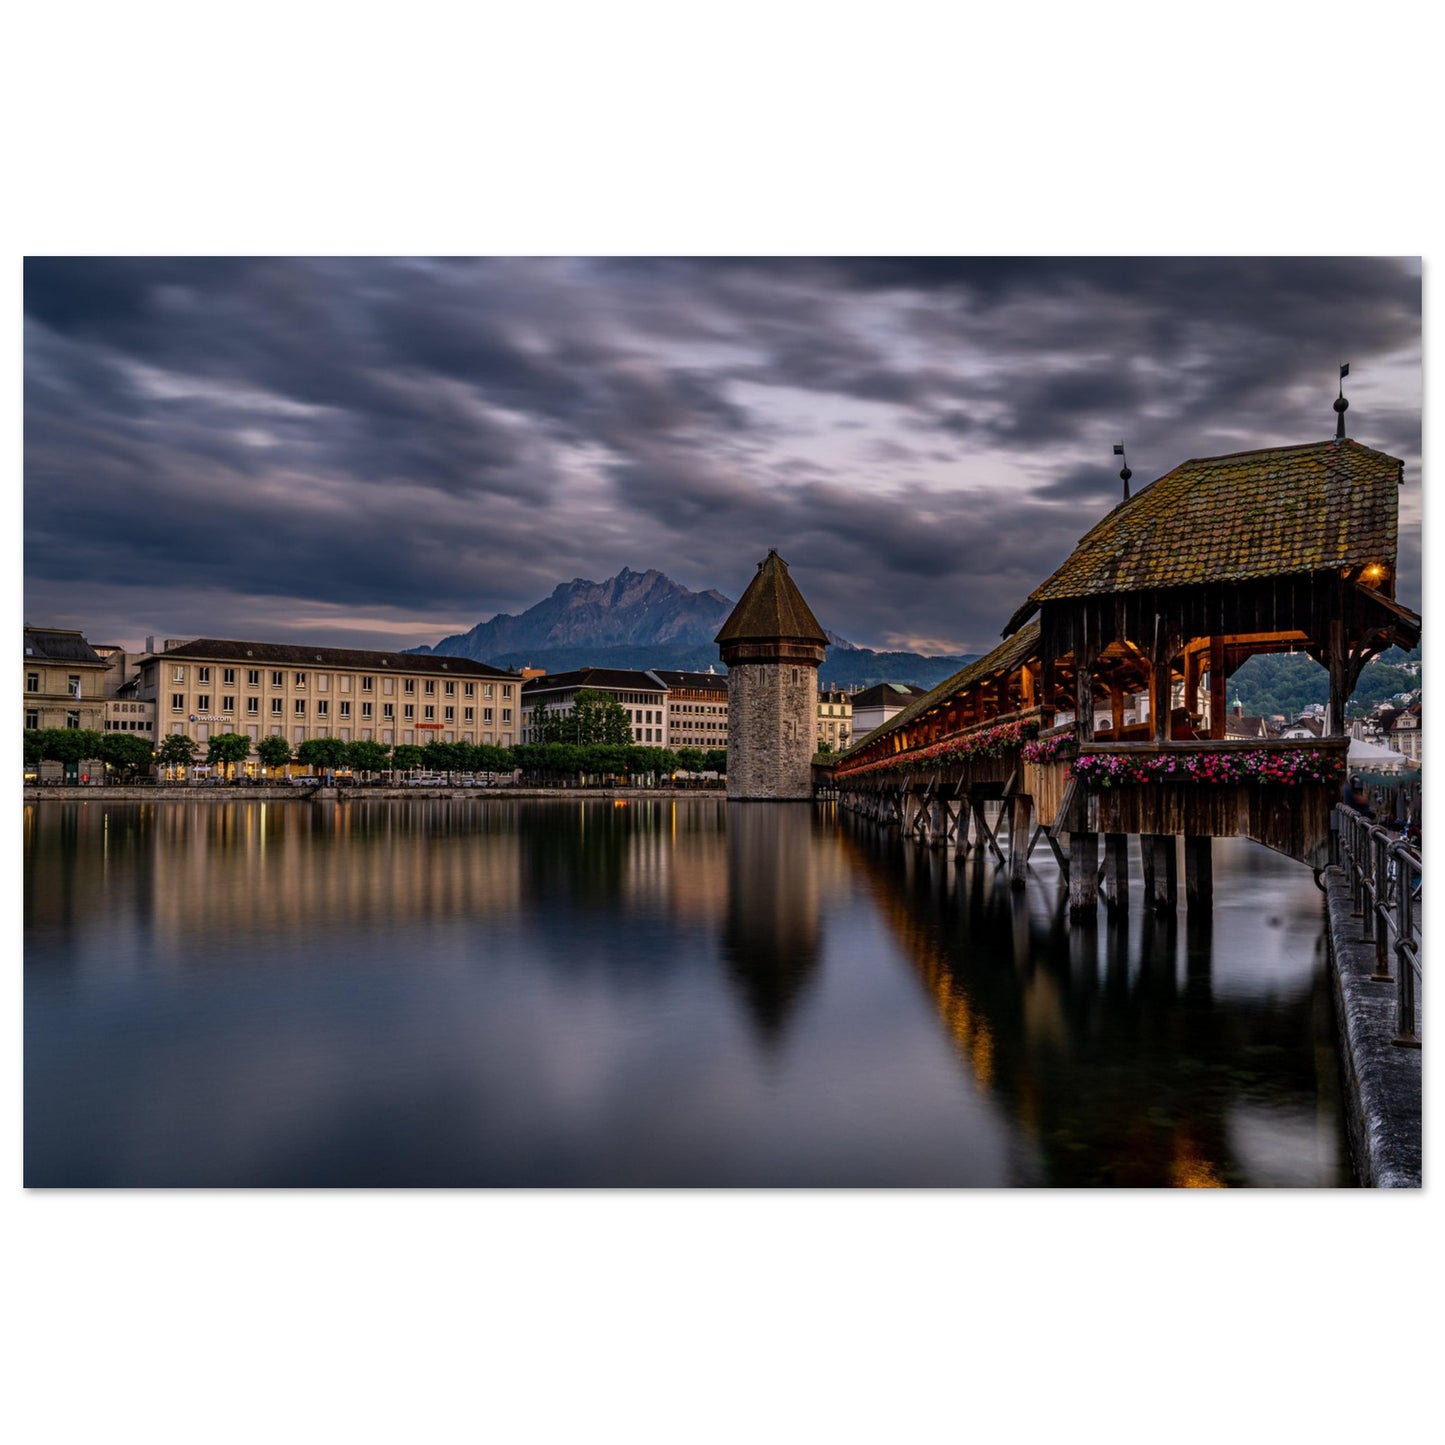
(772, 646)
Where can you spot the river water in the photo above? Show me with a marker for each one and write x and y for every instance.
(651, 993)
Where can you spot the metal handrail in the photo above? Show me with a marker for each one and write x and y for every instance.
(1384, 872)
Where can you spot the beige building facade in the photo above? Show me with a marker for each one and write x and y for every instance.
(64, 680)
(260, 689)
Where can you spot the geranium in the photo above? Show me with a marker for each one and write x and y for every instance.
(1284, 769)
(1047, 750)
(991, 742)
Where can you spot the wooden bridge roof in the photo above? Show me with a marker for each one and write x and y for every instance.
(771, 609)
(1004, 658)
(1269, 513)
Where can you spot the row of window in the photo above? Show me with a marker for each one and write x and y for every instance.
(322, 681)
(323, 708)
(72, 683)
(366, 735)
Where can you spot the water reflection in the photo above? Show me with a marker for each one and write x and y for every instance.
(650, 993)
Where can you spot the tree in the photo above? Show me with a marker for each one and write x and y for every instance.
(366, 756)
(177, 750)
(715, 761)
(598, 718)
(34, 748)
(274, 752)
(323, 753)
(128, 754)
(225, 750)
(405, 757)
(70, 745)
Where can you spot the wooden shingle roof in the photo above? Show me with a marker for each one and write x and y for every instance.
(1249, 515)
(772, 609)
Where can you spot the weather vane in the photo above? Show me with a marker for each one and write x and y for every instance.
(1341, 405)
(1124, 472)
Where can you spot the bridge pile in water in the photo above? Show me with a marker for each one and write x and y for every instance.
(1103, 714)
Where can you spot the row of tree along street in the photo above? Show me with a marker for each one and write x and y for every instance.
(592, 744)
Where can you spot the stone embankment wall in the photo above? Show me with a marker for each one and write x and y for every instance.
(1382, 1081)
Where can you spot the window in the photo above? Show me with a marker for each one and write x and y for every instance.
(345, 708)
(72, 685)
(72, 719)
(388, 710)
(32, 682)
(366, 684)
(300, 678)
(32, 717)
(408, 710)
(449, 714)
(253, 706)
(278, 679)
(366, 709)
(277, 706)
(468, 714)
(388, 685)
(300, 708)
(178, 674)
(323, 681)
(203, 674)
(506, 689)
(450, 688)
(431, 687)
(253, 677)
(178, 702)
(228, 676)
(506, 714)
(228, 703)
(429, 711)
(323, 708)
(203, 702)
(469, 689)
(408, 686)
(486, 689)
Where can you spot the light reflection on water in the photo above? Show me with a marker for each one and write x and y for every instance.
(682, 993)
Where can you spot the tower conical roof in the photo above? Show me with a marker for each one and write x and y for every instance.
(772, 609)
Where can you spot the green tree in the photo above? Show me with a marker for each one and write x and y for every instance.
(177, 750)
(225, 750)
(716, 761)
(70, 745)
(34, 748)
(322, 753)
(405, 757)
(366, 756)
(274, 752)
(597, 717)
(691, 760)
(127, 753)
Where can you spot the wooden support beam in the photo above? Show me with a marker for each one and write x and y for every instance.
(1116, 870)
(1199, 873)
(1218, 703)
(984, 831)
(1161, 871)
(1018, 844)
(1083, 872)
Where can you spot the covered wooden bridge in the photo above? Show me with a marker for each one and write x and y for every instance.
(1103, 711)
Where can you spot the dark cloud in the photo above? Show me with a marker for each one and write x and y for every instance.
(263, 440)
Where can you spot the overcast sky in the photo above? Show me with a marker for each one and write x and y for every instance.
(382, 452)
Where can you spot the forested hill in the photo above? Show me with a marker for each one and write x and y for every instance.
(1284, 683)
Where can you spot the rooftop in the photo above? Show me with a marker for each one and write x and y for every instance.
(772, 608)
(210, 649)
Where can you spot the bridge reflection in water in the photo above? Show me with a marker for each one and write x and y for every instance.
(1141, 1051)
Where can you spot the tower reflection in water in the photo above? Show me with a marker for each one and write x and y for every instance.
(771, 944)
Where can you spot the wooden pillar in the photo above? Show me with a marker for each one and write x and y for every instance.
(1018, 838)
(937, 821)
(1116, 870)
(1160, 699)
(960, 831)
(1199, 873)
(1083, 872)
(1084, 698)
(1161, 871)
(1218, 702)
(1116, 701)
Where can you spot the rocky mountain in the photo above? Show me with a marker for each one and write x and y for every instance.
(645, 619)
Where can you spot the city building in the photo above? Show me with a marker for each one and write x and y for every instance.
(772, 647)
(65, 680)
(267, 689)
(642, 695)
(835, 719)
(875, 705)
(697, 708)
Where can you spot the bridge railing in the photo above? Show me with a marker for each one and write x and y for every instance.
(1384, 871)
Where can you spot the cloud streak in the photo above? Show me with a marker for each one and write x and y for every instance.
(339, 450)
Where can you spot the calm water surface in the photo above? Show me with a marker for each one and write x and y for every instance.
(663, 993)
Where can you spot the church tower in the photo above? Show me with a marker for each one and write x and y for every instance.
(772, 646)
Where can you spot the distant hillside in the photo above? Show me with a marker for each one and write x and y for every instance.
(645, 619)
